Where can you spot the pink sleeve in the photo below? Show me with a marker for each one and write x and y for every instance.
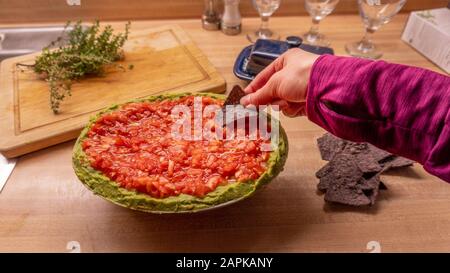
(404, 110)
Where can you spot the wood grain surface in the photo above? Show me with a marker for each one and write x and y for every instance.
(21, 11)
(43, 206)
(160, 58)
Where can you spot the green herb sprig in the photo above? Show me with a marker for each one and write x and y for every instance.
(88, 51)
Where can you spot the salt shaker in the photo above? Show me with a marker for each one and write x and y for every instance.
(211, 16)
(231, 18)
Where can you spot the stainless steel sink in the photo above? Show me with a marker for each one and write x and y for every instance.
(20, 41)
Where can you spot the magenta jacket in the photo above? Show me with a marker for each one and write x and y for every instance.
(404, 110)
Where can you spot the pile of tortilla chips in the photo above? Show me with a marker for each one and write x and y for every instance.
(352, 175)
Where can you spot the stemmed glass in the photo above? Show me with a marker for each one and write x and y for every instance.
(265, 9)
(318, 9)
(374, 14)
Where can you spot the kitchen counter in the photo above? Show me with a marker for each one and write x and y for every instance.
(44, 207)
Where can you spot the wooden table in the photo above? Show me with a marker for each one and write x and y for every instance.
(44, 206)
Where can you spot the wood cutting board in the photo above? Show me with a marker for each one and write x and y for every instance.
(164, 60)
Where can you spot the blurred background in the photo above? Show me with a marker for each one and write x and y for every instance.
(25, 11)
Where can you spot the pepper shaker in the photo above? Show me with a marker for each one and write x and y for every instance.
(211, 16)
(231, 18)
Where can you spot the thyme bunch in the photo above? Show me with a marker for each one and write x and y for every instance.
(87, 51)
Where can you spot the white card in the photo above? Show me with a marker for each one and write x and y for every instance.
(6, 168)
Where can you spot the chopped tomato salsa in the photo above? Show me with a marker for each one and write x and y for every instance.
(133, 146)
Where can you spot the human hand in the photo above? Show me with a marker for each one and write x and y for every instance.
(284, 83)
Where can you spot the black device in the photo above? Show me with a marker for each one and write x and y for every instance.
(254, 58)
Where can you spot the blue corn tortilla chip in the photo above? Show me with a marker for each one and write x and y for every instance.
(343, 182)
(329, 146)
(234, 97)
(352, 175)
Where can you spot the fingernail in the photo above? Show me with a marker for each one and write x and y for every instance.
(248, 89)
(245, 100)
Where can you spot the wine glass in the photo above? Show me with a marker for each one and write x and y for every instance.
(374, 14)
(265, 9)
(318, 9)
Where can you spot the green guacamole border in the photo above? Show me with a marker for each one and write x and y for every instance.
(111, 191)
